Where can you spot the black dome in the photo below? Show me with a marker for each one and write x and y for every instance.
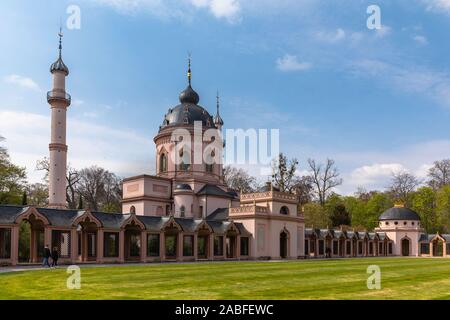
(189, 96)
(187, 114)
(399, 213)
(59, 66)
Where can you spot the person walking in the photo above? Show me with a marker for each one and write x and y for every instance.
(55, 257)
(47, 255)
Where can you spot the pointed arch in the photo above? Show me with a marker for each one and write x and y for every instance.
(132, 220)
(203, 226)
(32, 214)
(171, 224)
(87, 216)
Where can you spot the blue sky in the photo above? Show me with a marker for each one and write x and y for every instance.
(373, 100)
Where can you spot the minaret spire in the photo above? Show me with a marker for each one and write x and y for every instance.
(189, 73)
(60, 34)
(218, 101)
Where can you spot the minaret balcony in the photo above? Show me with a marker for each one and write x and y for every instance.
(59, 95)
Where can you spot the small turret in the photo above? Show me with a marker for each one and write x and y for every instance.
(217, 119)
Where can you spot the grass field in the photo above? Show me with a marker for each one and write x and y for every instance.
(402, 278)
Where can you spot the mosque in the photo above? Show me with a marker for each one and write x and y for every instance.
(185, 212)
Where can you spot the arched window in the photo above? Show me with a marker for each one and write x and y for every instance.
(185, 164)
(162, 163)
(284, 210)
(209, 166)
(133, 209)
(182, 211)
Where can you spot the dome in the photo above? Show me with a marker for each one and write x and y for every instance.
(189, 96)
(183, 186)
(399, 213)
(59, 65)
(187, 114)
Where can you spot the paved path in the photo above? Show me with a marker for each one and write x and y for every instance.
(22, 268)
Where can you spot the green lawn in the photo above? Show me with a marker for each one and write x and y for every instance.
(402, 278)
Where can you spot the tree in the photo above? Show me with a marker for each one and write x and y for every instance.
(283, 173)
(303, 188)
(402, 185)
(37, 194)
(337, 212)
(379, 203)
(100, 189)
(80, 203)
(424, 203)
(315, 215)
(443, 208)
(24, 199)
(324, 178)
(12, 179)
(356, 207)
(72, 178)
(239, 180)
(439, 174)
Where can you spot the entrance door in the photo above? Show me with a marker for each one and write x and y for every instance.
(202, 247)
(231, 247)
(405, 247)
(283, 245)
(134, 245)
(92, 246)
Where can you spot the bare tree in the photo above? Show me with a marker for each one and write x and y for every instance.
(72, 178)
(402, 185)
(303, 187)
(239, 180)
(439, 174)
(284, 173)
(100, 189)
(324, 178)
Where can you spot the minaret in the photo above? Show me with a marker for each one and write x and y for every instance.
(59, 101)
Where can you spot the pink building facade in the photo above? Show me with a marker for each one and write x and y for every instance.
(185, 211)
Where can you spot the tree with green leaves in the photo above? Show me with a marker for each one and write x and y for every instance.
(424, 203)
(376, 205)
(12, 179)
(24, 199)
(37, 194)
(337, 212)
(443, 208)
(315, 215)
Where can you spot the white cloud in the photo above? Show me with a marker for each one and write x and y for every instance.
(21, 81)
(420, 40)
(371, 174)
(416, 79)
(438, 5)
(119, 150)
(291, 63)
(331, 37)
(373, 168)
(383, 32)
(227, 9)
